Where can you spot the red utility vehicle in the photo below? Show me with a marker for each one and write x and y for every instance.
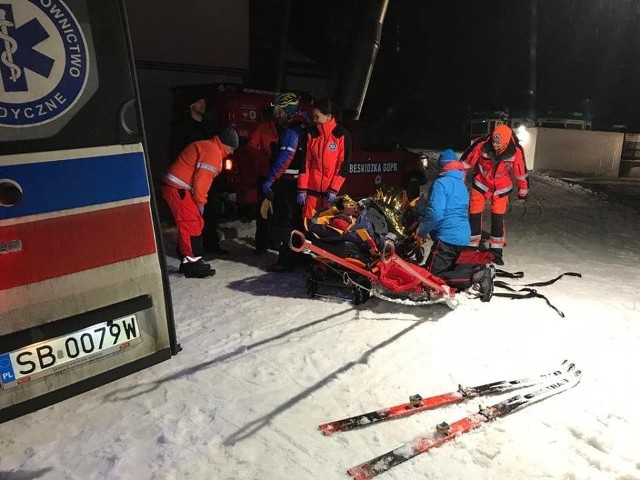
(376, 160)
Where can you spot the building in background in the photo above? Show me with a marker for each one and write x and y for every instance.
(204, 42)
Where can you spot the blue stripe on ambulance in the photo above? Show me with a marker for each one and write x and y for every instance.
(81, 182)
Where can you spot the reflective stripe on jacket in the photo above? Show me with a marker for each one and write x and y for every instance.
(196, 167)
(493, 171)
(291, 152)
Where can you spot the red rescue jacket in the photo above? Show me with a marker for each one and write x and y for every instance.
(196, 167)
(263, 140)
(493, 171)
(327, 159)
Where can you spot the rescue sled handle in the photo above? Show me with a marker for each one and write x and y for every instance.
(300, 244)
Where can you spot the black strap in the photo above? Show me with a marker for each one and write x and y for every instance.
(527, 293)
(505, 274)
(549, 282)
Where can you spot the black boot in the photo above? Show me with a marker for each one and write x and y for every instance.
(197, 269)
(497, 256)
(482, 282)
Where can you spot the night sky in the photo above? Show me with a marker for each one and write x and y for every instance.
(440, 60)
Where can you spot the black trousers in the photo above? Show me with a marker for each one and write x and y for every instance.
(287, 216)
(442, 257)
(212, 212)
(442, 262)
(263, 226)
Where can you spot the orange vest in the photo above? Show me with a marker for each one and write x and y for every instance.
(196, 166)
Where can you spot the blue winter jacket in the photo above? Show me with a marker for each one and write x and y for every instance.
(446, 216)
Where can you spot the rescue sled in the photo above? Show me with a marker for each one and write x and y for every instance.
(388, 277)
(368, 248)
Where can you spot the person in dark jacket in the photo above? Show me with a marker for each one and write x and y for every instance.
(190, 127)
(446, 215)
(281, 184)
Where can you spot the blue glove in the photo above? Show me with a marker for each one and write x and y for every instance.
(331, 197)
(266, 187)
(302, 198)
(201, 208)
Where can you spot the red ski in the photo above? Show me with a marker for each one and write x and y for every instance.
(445, 432)
(418, 404)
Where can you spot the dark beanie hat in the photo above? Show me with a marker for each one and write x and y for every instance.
(192, 97)
(229, 137)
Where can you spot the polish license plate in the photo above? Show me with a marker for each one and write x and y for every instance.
(55, 354)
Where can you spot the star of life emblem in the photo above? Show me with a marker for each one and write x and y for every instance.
(44, 64)
(333, 146)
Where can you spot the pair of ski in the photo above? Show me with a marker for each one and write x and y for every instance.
(549, 384)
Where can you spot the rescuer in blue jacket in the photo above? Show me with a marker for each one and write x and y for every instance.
(281, 184)
(445, 215)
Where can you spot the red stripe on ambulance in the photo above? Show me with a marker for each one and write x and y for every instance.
(74, 243)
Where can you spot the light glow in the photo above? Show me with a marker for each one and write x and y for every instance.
(523, 135)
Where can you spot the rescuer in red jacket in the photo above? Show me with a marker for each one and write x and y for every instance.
(493, 158)
(263, 147)
(326, 161)
(185, 188)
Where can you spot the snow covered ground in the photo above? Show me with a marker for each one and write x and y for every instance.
(263, 365)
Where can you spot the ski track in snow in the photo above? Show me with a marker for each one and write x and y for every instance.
(263, 366)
